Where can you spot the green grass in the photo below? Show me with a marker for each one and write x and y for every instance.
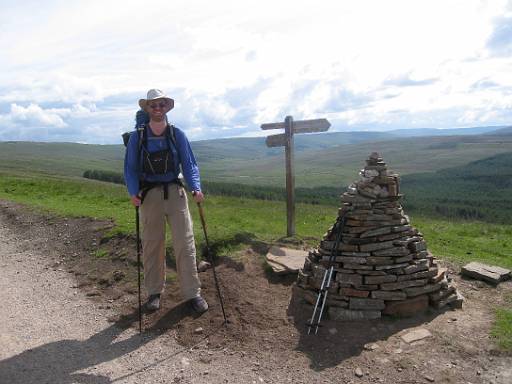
(502, 329)
(464, 241)
(233, 222)
(71, 197)
(171, 276)
(101, 253)
(67, 159)
(230, 221)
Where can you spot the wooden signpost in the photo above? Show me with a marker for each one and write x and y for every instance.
(286, 139)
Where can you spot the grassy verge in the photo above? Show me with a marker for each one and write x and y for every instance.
(502, 329)
(463, 241)
(230, 220)
(70, 197)
(233, 221)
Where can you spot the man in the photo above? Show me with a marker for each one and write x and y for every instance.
(155, 156)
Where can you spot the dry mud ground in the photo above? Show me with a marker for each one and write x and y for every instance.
(69, 317)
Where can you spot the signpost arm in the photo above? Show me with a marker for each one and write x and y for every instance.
(290, 178)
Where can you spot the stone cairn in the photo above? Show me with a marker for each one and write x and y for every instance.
(382, 263)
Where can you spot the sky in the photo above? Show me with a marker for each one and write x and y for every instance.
(75, 70)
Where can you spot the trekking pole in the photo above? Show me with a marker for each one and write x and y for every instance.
(326, 281)
(210, 257)
(138, 264)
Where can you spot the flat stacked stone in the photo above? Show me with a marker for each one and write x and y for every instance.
(382, 263)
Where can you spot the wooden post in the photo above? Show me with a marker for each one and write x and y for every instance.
(286, 140)
(290, 177)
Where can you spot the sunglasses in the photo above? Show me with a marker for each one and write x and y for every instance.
(159, 105)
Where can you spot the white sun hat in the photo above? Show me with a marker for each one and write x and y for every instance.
(155, 94)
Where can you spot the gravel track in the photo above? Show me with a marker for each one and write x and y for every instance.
(51, 333)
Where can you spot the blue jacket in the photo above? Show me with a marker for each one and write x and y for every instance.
(132, 163)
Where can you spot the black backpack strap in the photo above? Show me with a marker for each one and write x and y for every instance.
(172, 134)
(143, 136)
(141, 131)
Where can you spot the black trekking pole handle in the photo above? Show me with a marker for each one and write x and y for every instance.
(137, 226)
(210, 257)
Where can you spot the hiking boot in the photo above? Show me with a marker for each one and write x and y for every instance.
(199, 305)
(202, 266)
(153, 302)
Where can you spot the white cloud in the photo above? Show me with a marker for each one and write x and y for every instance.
(235, 65)
(33, 115)
(52, 87)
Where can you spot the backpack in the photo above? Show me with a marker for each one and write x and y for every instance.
(141, 126)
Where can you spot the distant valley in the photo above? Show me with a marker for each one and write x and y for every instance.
(329, 159)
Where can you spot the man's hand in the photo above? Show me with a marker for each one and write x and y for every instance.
(135, 201)
(198, 196)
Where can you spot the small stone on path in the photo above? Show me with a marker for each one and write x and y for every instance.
(416, 335)
(198, 330)
(489, 273)
(358, 372)
(371, 347)
(285, 260)
(185, 362)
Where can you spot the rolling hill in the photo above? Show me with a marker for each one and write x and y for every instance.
(330, 159)
(338, 165)
(481, 189)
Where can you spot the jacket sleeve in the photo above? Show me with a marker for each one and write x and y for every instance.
(188, 161)
(131, 165)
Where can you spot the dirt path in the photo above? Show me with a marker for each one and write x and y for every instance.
(52, 332)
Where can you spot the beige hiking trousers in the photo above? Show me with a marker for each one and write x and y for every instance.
(155, 211)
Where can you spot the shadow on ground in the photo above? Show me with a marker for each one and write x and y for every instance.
(337, 341)
(61, 361)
